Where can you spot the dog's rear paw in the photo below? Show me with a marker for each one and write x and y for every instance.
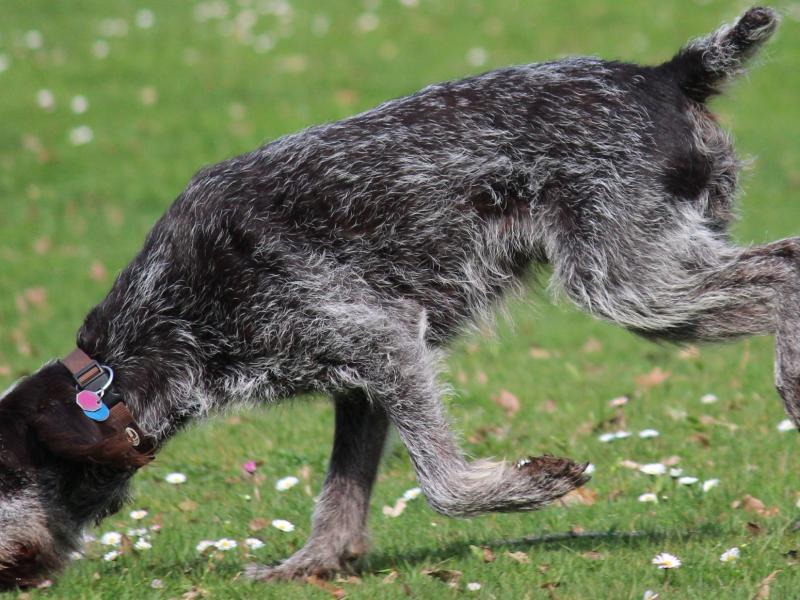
(300, 567)
(554, 476)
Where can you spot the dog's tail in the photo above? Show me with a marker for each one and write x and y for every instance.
(703, 66)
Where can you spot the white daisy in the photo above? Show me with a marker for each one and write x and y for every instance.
(606, 437)
(286, 483)
(665, 560)
(675, 472)
(45, 99)
(175, 478)
(473, 586)
(145, 19)
(75, 555)
(653, 469)
(111, 538)
(687, 480)
(785, 425)
(650, 595)
(109, 556)
(78, 136)
(138, 515)
(142, 544)
(34, 39)
(648, 433)
(621, 435)
(412, 494)
(204, 545)
(368, 22)
(100, 49)
(477, 57)
(283, 525)
(648, 497)
(254, 543)
(709, 484)
(225, 544)
(730, 555)
(708, 399)
(139, 532)
(79, 105)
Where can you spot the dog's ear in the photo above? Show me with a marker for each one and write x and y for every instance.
(69, 434)
(47, 401)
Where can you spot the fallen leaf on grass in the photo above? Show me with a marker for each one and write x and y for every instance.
(449, 576)
(701, 439)
(581, 496)
(396, 510)
(480, 435)
(520, 557)
(539, 353)
(762, 593)
(551, 587)
(591, 345)
(482, 552)
(326, 586)
(655, 377)
(629, 464)
(754, 505)
(258, 524)
(507, 401)
(753, 529)
(195, 592)
(391, 577)
(188, 505)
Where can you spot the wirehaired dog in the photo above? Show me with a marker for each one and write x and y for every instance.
(343, 258)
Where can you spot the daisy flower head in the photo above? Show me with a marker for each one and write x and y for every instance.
(650, 595)
(111, 538)
(225, 544)
(675, 472)
(412, 494)
(204, 545)
(283, 525)
(109, 556)
(286, 483)
(730, 555)
(138, 532)
(665, 560)
(648, 497)
(175, 478)
(78, 136)
(473, 586)
(709, 484)
(708, 399)
(648, 433)
(138, 515)
(254, 543)
(653, 469)
(687, 480)
(142, 544)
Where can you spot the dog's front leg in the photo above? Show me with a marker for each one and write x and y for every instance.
(338, 534)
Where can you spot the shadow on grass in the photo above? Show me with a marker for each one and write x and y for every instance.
(577, 542)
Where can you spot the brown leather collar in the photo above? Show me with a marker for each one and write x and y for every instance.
(91, 375)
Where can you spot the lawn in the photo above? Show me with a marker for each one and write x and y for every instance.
(168, 87)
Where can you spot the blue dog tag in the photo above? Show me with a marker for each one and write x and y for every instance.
(101, 414)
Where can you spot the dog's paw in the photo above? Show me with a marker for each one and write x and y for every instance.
(300, 567)
(554, 476)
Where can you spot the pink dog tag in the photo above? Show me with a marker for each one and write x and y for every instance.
(88, 400)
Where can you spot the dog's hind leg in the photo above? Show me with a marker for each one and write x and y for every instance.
(398, 371)
(338, 535)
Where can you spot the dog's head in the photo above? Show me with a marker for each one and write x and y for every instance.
(59, 470)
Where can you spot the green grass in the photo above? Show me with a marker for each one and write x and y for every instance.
(73, 216)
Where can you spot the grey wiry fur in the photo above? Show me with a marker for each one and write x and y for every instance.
(343, 258)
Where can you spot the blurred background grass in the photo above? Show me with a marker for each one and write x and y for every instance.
(172, 86)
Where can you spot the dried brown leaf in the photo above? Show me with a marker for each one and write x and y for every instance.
(580, 496)
(507, 401)
(591, 345)
(391, 577)
(188, 505)
(539, 353)
(326, 586)
(520, 557)
(449, 576)
(753, 529)
(258, 524)
(655, 377)
(762, 592)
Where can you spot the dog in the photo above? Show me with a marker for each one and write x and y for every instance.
(343, 259)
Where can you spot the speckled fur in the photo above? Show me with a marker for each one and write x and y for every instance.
(343, 258)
